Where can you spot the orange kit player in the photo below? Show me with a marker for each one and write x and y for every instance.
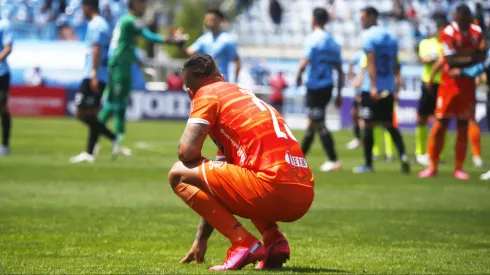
(463, 47)
(264, 176)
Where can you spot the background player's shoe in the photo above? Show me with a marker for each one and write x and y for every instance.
(477, 162)
(460, 175)
(405, 167)
(4, 150)
(363, 169)
(82, 157)
(275, 255)
(353, 144)
(427, 173)
(423, 160)
(125, 151)
(485, 176)
(115, 149)
(331, 166)
(240, 255)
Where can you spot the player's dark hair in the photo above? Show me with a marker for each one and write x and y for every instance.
(441, 22)
(463, 9)
(321, 16)
(200, 65)
(92, 3)
(370, 10)
(217, 13)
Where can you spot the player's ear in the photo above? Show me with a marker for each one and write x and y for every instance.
(189, 92)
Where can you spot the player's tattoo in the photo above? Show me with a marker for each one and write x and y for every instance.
(204, 230)
(191, 142)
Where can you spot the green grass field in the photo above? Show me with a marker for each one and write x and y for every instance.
(122, 217)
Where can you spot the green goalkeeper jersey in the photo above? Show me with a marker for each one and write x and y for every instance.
(123, 43)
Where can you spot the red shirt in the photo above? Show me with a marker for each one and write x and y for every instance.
(278, 84)
(250, 133)
(175, 82)
(460, 44)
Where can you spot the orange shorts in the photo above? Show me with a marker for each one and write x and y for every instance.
(244, 193)
(451, 103)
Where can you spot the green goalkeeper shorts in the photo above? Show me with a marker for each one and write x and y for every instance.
(119, 86)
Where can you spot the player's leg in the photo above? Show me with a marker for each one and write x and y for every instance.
(425, 109)
(311, 127)
(356, 129)
(277, 250)
(377, 142)
(389, 143)
(326, 138)
(386, 106)
(474, 136)
(195, 191)
(461, 147)
(5, 114)
(367, 114)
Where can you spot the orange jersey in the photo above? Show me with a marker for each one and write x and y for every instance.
(250, 133)
(460, 44)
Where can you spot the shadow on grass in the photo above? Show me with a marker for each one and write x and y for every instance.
(301, 269)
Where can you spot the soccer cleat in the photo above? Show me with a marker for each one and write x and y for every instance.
(353, 144)
(330, 166)
(423, 160)
(363, 169)
(82, 157)
(275, 255)
(485, 176)
(460, 175)
(478, 162)
(239, 256)
(405, 167)
(4, 150)
(428, 172)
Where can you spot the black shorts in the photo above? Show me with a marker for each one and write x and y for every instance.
(376, 110)
(317, 101)
(4, 88)
(86, 98)
(427, 102)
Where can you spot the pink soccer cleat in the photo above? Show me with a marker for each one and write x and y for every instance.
(275, 255)
(240, 255)
(460, 175)
(427, 173)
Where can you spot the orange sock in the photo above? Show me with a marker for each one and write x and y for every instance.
(474, 136)
(211, 210)
(436, 143)
(269, 230)
(461, 145)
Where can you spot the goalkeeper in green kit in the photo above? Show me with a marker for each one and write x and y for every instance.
(121, 57)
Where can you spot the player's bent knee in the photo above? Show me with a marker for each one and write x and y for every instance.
(175, 174)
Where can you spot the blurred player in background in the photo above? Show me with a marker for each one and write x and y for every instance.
(321, 56)
(264, 178)
(377, 103)
(6, 42)
(463, 47)
(217, 43)
(89, 95)
(121, 57)
(355, 75)
(278, 85)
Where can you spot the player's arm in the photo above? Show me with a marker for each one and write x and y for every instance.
(340, 83)
(204, 230)
(371, 68)
(7, 44)
(5, 52)
(302, 67)
(238, 67)
(191, 142)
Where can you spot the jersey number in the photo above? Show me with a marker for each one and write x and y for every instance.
(384, 64)
(266, 107)
(323, 68)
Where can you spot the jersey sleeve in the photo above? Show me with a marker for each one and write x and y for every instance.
(95, 36)
(447, 41)
(204, 108)
(7, 36)
(232, 50)
(197, 45)
(367, 43)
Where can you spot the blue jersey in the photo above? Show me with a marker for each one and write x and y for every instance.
(98, 33)
(323, 53)
(385, 47)
(5, 40)
(221, 47)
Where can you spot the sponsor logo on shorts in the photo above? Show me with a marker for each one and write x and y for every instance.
(216, 164)
(296, 161)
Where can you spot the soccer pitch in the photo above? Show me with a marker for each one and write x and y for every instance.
(122, 216)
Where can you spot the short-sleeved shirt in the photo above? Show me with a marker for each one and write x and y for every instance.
(123, 43)
(323, 53)
(366, 81)
(433, 48)
(98, 34)
(5, 40)
(461, 44)
(250, 133)
(385, 47)
(221, 47)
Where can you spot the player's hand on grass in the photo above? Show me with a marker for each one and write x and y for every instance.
(94, 84)
(196, 253)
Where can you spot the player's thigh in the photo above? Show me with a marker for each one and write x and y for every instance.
(384, 112)
(187, 173)
(4, 92)
(427, 102)
(316, 103)
(247, 195)
(367, 110)
(86, 98)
